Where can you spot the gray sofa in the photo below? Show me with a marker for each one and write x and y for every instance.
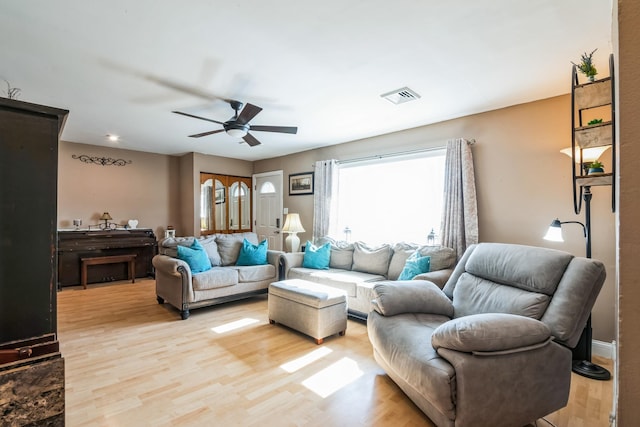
(178, 286)
(493, 347)
(356, 267)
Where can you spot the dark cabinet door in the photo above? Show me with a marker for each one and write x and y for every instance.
(28, 178)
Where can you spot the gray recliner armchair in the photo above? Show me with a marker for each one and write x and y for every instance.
(493, 348)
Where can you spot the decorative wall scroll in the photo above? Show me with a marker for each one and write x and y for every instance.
(104, 161)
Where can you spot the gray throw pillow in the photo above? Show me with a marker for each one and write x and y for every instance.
(210, 246)
(341, 252)
(401, 252)
(373, 260)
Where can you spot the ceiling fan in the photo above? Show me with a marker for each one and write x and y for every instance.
(238, 126)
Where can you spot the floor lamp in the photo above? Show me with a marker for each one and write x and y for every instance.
(582, 367)
(292, 226)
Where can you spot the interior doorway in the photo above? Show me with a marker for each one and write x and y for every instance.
(268, 204)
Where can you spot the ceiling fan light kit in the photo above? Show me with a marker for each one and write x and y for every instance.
(238, 125)
(237, 131)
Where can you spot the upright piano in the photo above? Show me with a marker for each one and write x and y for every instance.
(74, 245)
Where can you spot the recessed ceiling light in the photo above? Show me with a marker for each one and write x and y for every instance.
(113, 138)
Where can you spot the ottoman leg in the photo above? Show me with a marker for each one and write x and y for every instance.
(342, 333)
(271, 321)
(319, 341)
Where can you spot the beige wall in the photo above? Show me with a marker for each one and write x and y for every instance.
(628, 368)
(523, 182)
(142, 190)
(158, 190)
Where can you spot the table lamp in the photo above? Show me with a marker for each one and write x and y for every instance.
(292, 226)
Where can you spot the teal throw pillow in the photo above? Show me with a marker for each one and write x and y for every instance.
(195, 256)
(415, 265)
(317, 257)
(251, 254)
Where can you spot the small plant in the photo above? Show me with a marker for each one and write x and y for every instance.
(12, 92)
(586, 66)
(595, 165)
(595, 122)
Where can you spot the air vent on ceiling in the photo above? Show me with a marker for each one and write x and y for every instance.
(400, 96)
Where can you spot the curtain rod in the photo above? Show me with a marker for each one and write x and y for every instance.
(401, 153)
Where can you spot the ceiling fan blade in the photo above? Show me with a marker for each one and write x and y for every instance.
(281, 129)
(197, 117)
(251, 140)
(211, 132)
(248, 112)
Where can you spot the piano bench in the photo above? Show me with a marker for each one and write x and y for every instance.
(111, 259)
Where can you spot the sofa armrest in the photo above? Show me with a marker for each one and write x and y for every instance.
(439, 277)
(289, 260)
(273, 257)
(171, 266)
(411, 296)
(491, 334)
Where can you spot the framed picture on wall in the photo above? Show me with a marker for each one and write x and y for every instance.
(300, 183)
(220, 196)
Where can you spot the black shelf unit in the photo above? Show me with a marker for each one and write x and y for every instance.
(585, 98)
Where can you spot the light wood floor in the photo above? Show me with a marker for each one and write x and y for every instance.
(133, 362)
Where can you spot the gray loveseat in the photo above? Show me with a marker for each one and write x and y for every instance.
(493, 347)
(356, 267)
(178, 286)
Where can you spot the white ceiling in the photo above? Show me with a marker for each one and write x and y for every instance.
(121, 66)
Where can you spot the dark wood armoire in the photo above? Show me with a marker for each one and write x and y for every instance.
(31, 366)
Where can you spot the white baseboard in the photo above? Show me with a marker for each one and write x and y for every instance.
(602, 349)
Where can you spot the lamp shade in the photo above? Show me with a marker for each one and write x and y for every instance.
(589, 155)
(292, 224)
(554, 233)
(106, 217)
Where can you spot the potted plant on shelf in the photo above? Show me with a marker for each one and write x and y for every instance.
(586, 66)
(595, 168)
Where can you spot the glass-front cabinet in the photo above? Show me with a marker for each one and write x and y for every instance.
(225, 203)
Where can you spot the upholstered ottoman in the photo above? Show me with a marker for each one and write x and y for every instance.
(313, 309)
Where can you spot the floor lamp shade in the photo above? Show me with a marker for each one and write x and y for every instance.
(292, 226)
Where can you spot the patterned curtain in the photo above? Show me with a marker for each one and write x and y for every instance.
(326, 188)
(460, 210)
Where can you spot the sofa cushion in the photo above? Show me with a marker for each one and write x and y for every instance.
(229, 245)
(251, 254)
(254, 273)
(341, 253)
(441, 257)
(216, 277)
(474, 295)
(404, 344)
(525, 267)
(401, 252)
(373, 260)
(168, 246)
(341, 279)
(211, 248)
(415, 265)
(488, 332)
(317, 257)
(195, 256)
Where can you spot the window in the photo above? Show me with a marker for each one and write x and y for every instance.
(391, 200)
